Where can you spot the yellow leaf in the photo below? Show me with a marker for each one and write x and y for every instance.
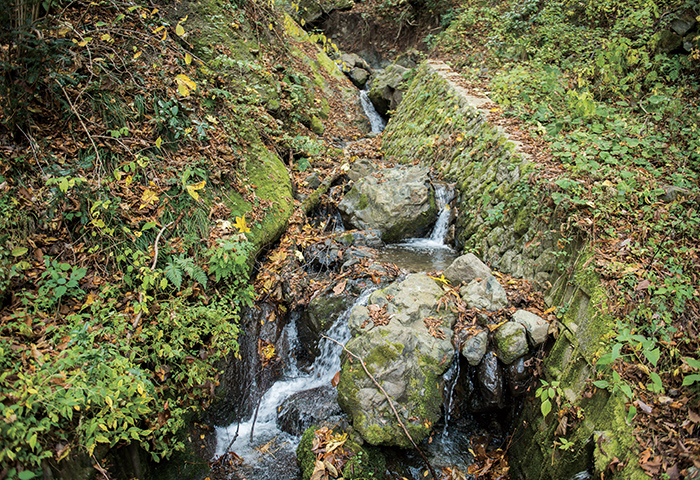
(550, 310)
(137, 55)
(179, 30)
(148, 197)
(109, 402)
(158, 29)
(159, 142)
(240, 225)
(184, 85)
(188, 59)
(106, 37)
(192, 189)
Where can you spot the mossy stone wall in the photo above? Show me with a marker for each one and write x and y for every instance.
(503, 219)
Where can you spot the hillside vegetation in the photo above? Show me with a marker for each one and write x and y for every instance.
(142, 172)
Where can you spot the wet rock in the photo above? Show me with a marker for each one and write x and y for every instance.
(490, 382)
(474, 348)
(355, 255)
(511, 342)
(388, 87)
(307, 408)
(400, 203)
(517, 377)
(537, 328)
(465, 269)
(313, 181)
(403, 357)
(323, 256)
(318, 316)
(485, 294)
(371, 238)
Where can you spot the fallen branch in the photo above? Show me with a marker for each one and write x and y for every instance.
(98, 160)
(391, 404)
(314, 199)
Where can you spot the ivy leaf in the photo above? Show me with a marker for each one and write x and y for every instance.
(192, 189)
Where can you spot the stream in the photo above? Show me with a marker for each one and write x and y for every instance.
(269, 453)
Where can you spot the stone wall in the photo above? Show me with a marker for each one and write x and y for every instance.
(505, 219)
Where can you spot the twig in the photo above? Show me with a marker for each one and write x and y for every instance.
(391, 404)
(255, 418)
(98, 160)
(235, 436)
(137, 320)
(155, 245)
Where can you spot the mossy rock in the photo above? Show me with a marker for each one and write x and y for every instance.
(367, 462)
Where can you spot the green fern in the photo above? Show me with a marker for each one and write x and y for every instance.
(180, 265)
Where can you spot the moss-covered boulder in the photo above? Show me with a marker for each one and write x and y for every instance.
(400, 202)
(388, 88)
(407, 356)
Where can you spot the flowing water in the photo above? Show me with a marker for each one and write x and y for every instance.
(426, 254)
(275, 443)
(375, 120)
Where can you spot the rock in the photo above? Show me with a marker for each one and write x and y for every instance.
(307, 408)
(465, 269)
(353, 60)
(474, 347)
(485, 294)
(410, 59)
(317, 318)
(511, 342)
(361, 168)
(490, 382)
(311, 11)
(317, 125)
(683, 25)
(388, 87)
(517, 377)
(359, 76)
(672, 192)
(537, 328)
(667, 41)
(313, 181)
(371, 238)
(402, 356)
(400, 203)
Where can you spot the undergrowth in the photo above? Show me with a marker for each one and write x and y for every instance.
(619, 112)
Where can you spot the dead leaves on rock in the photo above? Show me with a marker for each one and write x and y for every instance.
(377, 315)
(491, 464)
(331, 454)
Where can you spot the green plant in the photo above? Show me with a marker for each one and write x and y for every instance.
(59, 281)
(548, 393)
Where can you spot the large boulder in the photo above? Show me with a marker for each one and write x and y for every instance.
(400, 202)
(388, 88)
(407, 356)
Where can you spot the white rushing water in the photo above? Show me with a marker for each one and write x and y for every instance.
(265, 429)
(436, 240)
(375, 120)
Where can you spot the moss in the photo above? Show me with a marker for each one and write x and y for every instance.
(317, 125)
(363, 203)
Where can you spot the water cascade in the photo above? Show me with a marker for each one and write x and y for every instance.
(376, 121)
(431, 253)
(237, 436)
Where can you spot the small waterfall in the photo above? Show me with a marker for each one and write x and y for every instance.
(375, 120)
(451, 377)
(265, 429)
(443, 197)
